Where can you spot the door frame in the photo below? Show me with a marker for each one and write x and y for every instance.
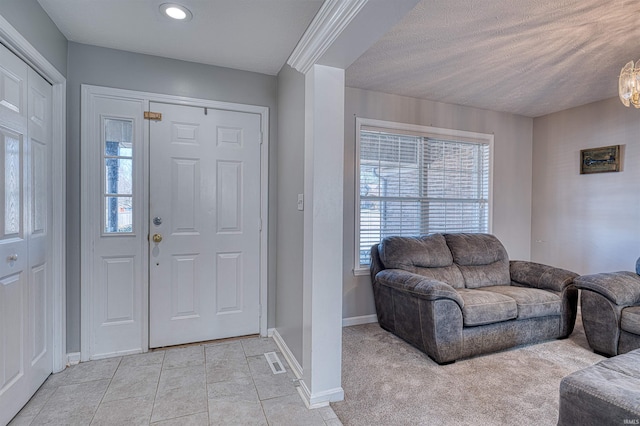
(19, 45)
(88, 214)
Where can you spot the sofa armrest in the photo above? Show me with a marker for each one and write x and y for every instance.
(541, 276)
(417, 285)
(621, 288)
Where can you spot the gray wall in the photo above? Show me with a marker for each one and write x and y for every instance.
(124, 70)
(291, 113)
(34, 24)
(586, 223)
(512, 173)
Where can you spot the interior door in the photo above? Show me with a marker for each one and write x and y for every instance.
(204, 254)
(25, 222)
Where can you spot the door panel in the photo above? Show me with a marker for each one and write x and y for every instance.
(39, 217)
(186, 193)
(229, 283)
(184, 279)
(229, 202)
(205, 185)
(13, 86)
(38, 301)
(13, 331)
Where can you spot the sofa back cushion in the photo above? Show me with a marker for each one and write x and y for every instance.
(427, 255)
(481, 258)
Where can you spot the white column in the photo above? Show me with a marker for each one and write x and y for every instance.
(323, 245)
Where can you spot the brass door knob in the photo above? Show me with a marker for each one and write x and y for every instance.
(157, 238)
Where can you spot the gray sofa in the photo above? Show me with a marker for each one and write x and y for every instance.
(457, 295)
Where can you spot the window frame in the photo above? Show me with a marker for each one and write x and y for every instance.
(413, 130)
(103, 176)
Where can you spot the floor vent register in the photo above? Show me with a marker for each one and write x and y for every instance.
(274, 363)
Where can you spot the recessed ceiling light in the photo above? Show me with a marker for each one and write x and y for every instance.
(176, 11)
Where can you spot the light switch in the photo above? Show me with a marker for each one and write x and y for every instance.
(300, 202)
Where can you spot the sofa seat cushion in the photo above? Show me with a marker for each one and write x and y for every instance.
(532, 302)
(486, 307)
(630, 320)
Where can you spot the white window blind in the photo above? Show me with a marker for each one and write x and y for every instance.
(414, 185)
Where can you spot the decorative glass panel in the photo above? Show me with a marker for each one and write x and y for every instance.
(118, 214)
(118, 175)
(119, 137)
(12, 186)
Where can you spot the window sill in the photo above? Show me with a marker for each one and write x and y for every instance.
(360, 271)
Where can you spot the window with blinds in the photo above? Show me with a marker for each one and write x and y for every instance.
(414, 184)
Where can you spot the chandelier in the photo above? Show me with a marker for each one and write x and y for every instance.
(629, 84)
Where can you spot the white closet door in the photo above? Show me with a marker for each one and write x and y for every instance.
(25, 281)
(39, 228)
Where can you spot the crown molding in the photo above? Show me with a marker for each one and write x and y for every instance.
(25, 51)
(332, 18)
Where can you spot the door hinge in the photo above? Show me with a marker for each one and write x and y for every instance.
(261, 138)
(148, 115)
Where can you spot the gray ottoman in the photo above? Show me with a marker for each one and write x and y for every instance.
(607, 393)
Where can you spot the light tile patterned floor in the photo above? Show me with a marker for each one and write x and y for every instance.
(225, 383)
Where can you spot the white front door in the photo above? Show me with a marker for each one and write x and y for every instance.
(204, 205)
(25, 228)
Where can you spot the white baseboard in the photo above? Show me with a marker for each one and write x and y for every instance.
(321, 399)
(73, 358)
(364, 319)
(311, 401)
(293, 362)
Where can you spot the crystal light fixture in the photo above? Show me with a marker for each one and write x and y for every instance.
(629, 84)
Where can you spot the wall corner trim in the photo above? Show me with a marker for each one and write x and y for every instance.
(332, 18)
(321, 399)
(364, 319)
(288, 355)
(73, 358)
(311, 401)
(25, 51)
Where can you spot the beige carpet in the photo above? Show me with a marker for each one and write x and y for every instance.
(389, 382)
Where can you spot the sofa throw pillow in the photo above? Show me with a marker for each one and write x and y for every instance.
(481, 258)
(429, 251)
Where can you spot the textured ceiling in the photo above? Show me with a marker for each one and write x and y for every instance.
(252, 35)
(528, 57)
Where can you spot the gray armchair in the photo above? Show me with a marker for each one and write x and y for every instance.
(611, 311)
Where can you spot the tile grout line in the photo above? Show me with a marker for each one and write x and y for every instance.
(54, 389)
(155, 394)
(105, 391)
(246, 358)
(206, 384)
